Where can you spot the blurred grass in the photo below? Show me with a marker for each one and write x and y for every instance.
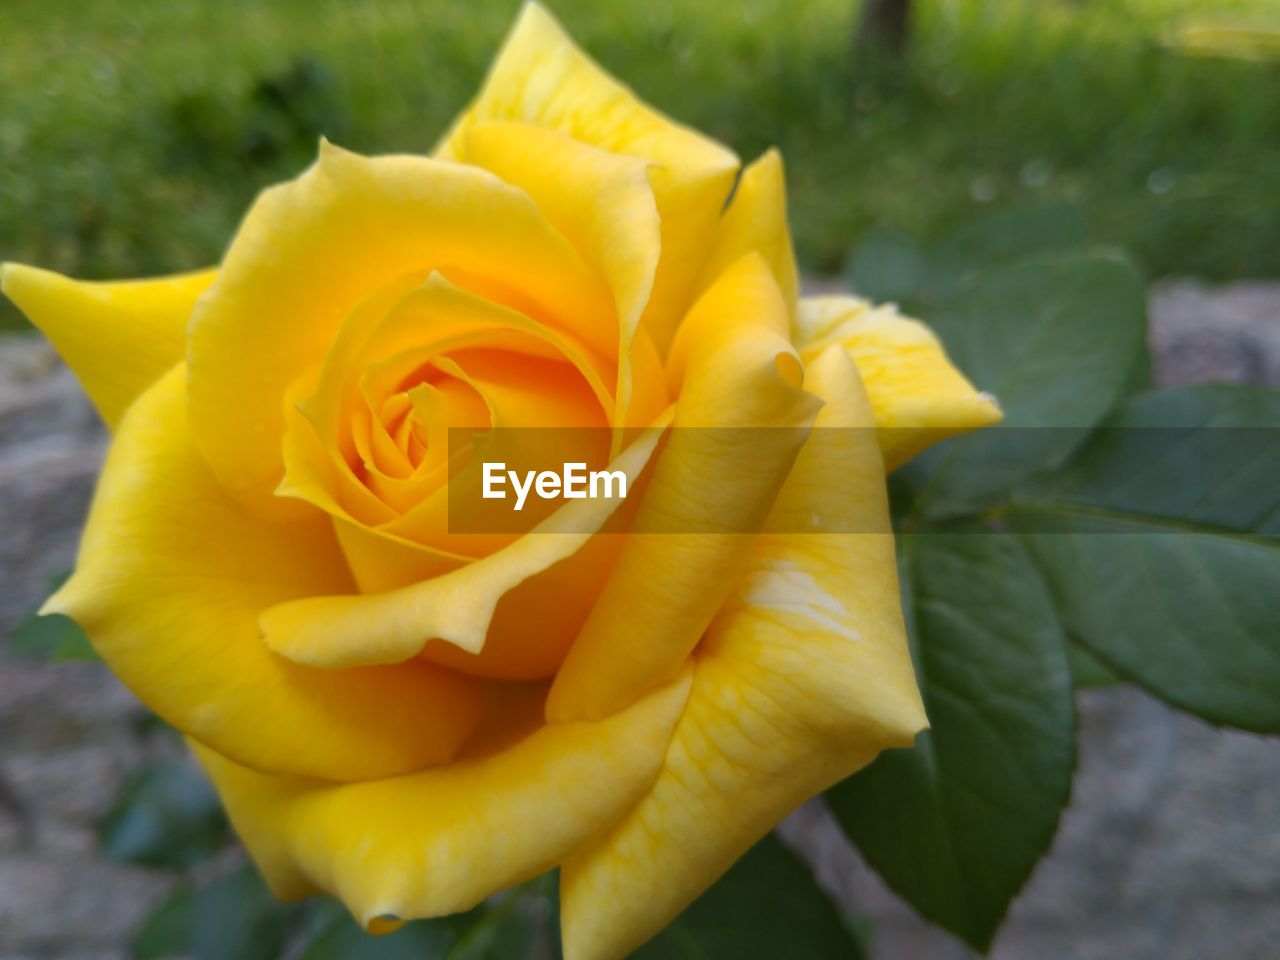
(133, 133)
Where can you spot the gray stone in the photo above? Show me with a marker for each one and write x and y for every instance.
(1200, 333)
(69, 784)
(68, 732)
(57, 905)
(46, 706)
(1166, 850)
(51, 445)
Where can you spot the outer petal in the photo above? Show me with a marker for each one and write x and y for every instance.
(917, 396)
(542, 77)
(801, 680)
(118, 338)
(439, 841)
(170, 581)
(740, 421)
(757, 220)
(312, 249)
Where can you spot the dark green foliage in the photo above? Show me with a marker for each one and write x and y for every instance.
(956, 824)
(1160, 540)
(768, 905)
(485, 933)
(166, 816)
(1105, 537)
(1055, 338)
(52, 637)
(281, 118)
(234, 917)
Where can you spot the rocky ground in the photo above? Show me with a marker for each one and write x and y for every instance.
(69, 733)
(1169, 851)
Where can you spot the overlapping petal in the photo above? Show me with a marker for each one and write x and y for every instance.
(311, 250)
(423, 585)
(457, 606)
(119, 337)
(521, 373)
(756, 220)
(605, 208)
(440, 841)
(171, 578)
(802, 678)
(740, 419)
(917, 395)
(541, 77)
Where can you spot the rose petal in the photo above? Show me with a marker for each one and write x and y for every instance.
(757, 220)
(171, 578)
(802, 679)
(426, 323)
(440, 841)
(918, 397)
(311, 250)
(712, 486)
(457, 606)
(118, 338)
(541, 77)
(603, 204)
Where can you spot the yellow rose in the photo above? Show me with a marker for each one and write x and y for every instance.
(411, 718)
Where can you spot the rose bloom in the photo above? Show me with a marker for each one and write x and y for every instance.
(412, 719)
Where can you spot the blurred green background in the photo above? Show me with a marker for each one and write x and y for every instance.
(133, 133)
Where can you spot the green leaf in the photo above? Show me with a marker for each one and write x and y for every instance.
(1011, 232)
(499, 934)
(887, 265)
(956, 824)
(167, 931)
(1196, 458)
(1057, 341)
(343, 939)
(166, 816)
(1087, 670)
(768, 905)
(234, 917)
(1159, 541)
(53, 637)
(502, 931)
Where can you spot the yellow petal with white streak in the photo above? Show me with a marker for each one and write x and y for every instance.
(803, 678)
(740, 419)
